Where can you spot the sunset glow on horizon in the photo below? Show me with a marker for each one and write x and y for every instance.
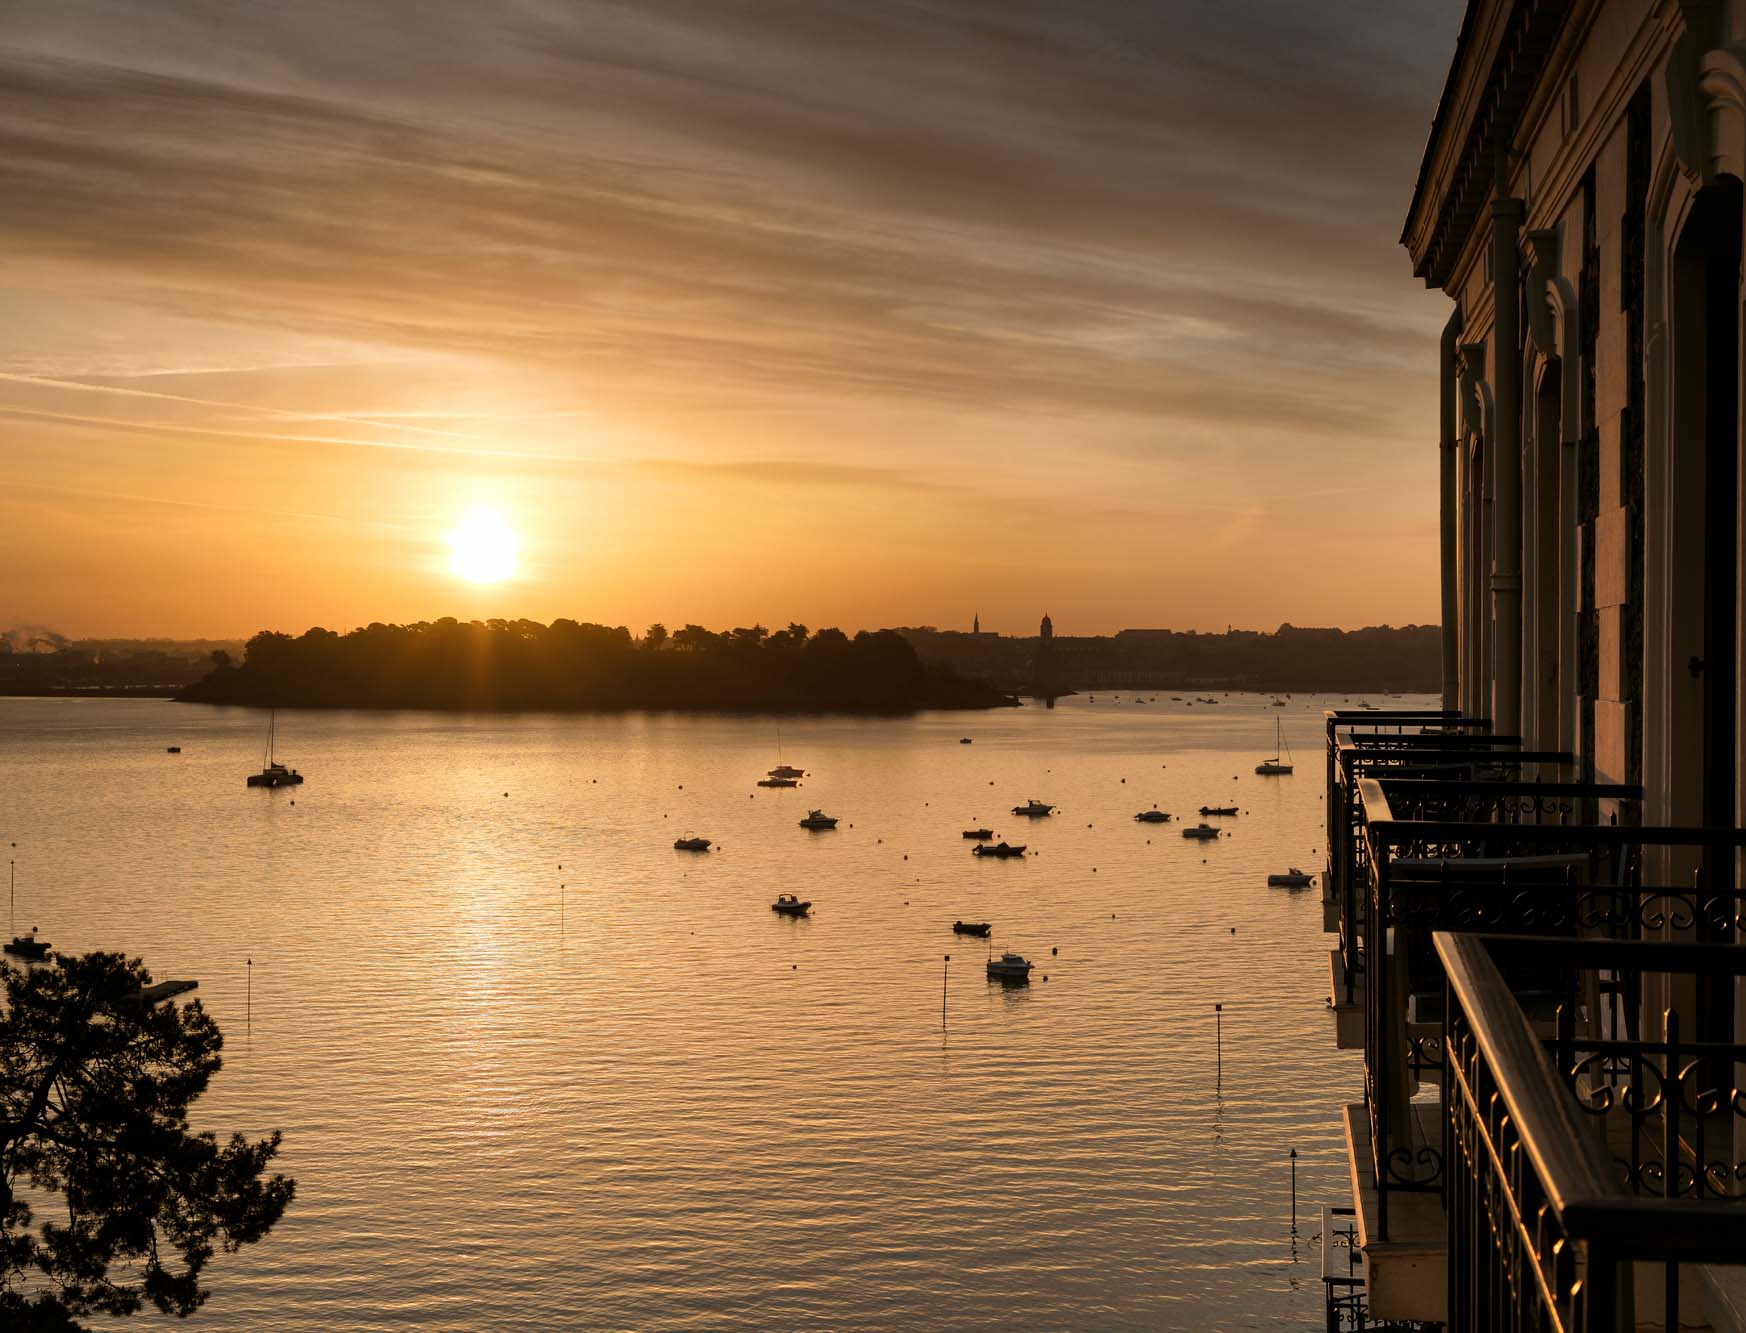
(870, 316)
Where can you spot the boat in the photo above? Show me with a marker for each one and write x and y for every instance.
(818, 819)
(1291, 879)
(1009, 967)
(273, 773)
(1202, 831)
(978, 928)
(1218, 809)
(999, 849)
(783, 770)
(788, 905)
(172, 749)
(1153, 816)
(1034, 809)
(691, 845)
(1279, 703)
(1276, 767)
(27, 946)
(964, 740)
(980, 834)
(777, 782)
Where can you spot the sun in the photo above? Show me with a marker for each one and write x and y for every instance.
(482, 548)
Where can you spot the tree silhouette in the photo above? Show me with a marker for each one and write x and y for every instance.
(95, 1085)
(521, 664)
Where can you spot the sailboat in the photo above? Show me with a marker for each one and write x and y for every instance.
(273, 773)
(783, 775)
(1276, 767)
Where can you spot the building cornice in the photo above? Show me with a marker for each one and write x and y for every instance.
(1499, 58)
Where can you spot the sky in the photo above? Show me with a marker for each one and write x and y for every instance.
(850, 312)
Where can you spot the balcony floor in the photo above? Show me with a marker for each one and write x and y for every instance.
(1405, 1276)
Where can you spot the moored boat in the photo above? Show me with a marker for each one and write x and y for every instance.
(27, 946)
(788, 905)
(1153, 816)
(691, 845)
(1200, 831)
(978, 928)
(1218, 809)
(818, 819)
(981, 834)
(999, 849)
(1034, 809)
(777, 782)
(1009, 967)
(1291, 879)
(273, 773)
(1277, 767)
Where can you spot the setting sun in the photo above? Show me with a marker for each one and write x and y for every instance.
(482, 548)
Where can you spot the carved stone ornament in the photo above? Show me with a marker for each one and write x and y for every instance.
(1475, 392)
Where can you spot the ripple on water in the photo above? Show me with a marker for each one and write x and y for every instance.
(641, 1100)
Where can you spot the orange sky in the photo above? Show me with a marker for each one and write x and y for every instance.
(823, 311)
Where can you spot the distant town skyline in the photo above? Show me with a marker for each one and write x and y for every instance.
(847, 314)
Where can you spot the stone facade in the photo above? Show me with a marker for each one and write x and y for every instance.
(1580, 201)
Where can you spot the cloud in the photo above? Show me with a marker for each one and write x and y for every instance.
(1039, 244)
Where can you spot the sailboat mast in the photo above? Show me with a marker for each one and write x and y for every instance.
(272, 718)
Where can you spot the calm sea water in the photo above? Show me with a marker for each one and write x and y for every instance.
(536, 1069)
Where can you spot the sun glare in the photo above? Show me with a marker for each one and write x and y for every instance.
(482, 548)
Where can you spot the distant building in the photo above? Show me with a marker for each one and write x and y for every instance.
(1045, 675)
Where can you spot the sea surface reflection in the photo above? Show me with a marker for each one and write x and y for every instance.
(536, 1069)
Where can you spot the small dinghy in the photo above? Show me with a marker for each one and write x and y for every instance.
(172, 749)
(1218, 809)
(1291, 879)
(818, 819)
(1200, 831)
(1153, 816)
(788, 905)
(999, 849)
(980, 834)
(691, 845)
(27, 946)
(978, 928)
(1009, 967)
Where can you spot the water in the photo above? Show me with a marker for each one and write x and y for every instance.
(642, 1099)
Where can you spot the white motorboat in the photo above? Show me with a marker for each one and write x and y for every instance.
(1153, 816)
(818, 819)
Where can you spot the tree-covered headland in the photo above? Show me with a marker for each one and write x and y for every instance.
(571, 666)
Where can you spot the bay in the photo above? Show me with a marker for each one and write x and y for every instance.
(536, 1069)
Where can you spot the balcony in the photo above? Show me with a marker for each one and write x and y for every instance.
(1594, 1179)
(1436, 833)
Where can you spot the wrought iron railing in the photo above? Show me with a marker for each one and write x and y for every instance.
(1591, 1164)
(1479, 758)
(1528, 878)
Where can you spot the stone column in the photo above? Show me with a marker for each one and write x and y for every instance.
(1447, 510)
(1506, 561)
